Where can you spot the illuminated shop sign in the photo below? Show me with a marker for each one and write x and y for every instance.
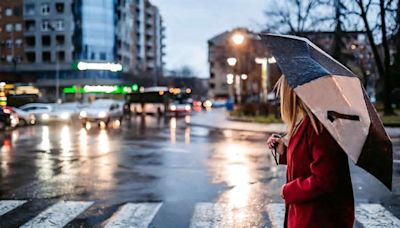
(108, 89)
(82, 66)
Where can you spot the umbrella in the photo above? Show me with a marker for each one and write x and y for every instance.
(336, 97)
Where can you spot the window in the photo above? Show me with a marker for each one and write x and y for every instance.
(18, 27)
(46, 41)
(46, 56)
(18, 43)
(61, 56)
(18, 59)
(30, 57)
(45, 25)
(60, 8)
(30, 9)
(60, 39)
(8, 12)
(59, 25)
(30, 41)
(9, 58)
(212, 86)
(45, 9)
(9, 43)
(30, 25)
(9, 27)
(103, 56)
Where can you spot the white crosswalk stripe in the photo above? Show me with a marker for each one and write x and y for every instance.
(9, 205)
(134, 215)
(375, 215)
(59, 214)
(276, 214)
(211, 215)
(205, 215)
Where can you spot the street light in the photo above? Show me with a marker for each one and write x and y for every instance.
(232, 61)
(238, 38)
(244, 76)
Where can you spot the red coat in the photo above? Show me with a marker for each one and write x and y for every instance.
(318, 192)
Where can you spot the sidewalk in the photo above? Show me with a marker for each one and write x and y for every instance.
(217, 119)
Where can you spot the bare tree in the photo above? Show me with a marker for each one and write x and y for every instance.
(378, 33)
(293, 16)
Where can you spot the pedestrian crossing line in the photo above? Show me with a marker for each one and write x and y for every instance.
(375, 215)
(276, 214)
(134, 215)
(59, 214)
(211, 215)
(9, 205)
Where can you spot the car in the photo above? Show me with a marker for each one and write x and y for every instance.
(65, 112)
(25, 118)
(179, 108)
(102, 112)
(41, 111)
(7, 119)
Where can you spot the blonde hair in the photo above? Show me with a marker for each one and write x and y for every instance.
(292, 107)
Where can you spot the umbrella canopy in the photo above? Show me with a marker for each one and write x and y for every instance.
(336, 97)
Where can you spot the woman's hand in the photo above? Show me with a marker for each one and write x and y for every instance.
(275, 141)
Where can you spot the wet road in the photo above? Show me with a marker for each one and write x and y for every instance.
(161, 172)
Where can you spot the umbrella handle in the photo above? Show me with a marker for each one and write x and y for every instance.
(332, 116)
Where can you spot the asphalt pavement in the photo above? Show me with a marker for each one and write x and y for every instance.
(158, 172)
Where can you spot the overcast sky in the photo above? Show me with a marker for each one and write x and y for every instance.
(190, 23)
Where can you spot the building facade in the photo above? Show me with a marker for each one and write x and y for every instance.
(11, 36)
(251, 75)
(52, 37)
(140, 44)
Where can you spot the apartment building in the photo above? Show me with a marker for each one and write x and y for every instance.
(11, 36)
(140, 35)
(252, 73)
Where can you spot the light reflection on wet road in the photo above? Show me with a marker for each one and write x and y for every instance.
(144, 160)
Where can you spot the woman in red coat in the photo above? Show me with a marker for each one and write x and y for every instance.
(318, 192)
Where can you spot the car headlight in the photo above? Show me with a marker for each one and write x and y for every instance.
(45, 116)
(83, 114)
(187, 107)
(172, 107)
(65, 116)
(102, 114)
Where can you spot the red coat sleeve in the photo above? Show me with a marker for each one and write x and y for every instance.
(324, 177)
(282, 158)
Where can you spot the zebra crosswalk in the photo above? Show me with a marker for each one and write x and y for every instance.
(205, 214)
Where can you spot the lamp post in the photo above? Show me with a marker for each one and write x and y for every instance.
(238, 39)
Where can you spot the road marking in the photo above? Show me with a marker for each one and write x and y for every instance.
(9, 205)
(134, 215)
(375, 215)
(396, 161)
(276, 214)
(212, 215)
(59, 214)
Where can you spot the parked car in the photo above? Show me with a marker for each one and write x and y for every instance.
(39, 110)
(25, 118)
(7, 118)
(102, 112)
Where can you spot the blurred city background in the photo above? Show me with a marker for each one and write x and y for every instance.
(155, 113)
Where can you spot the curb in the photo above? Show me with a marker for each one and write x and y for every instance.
(233, 129)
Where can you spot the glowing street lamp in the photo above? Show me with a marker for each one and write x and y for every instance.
(244, 76)
(232, 61)
(238, 38)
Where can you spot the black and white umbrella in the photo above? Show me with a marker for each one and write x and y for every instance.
(336, 97)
